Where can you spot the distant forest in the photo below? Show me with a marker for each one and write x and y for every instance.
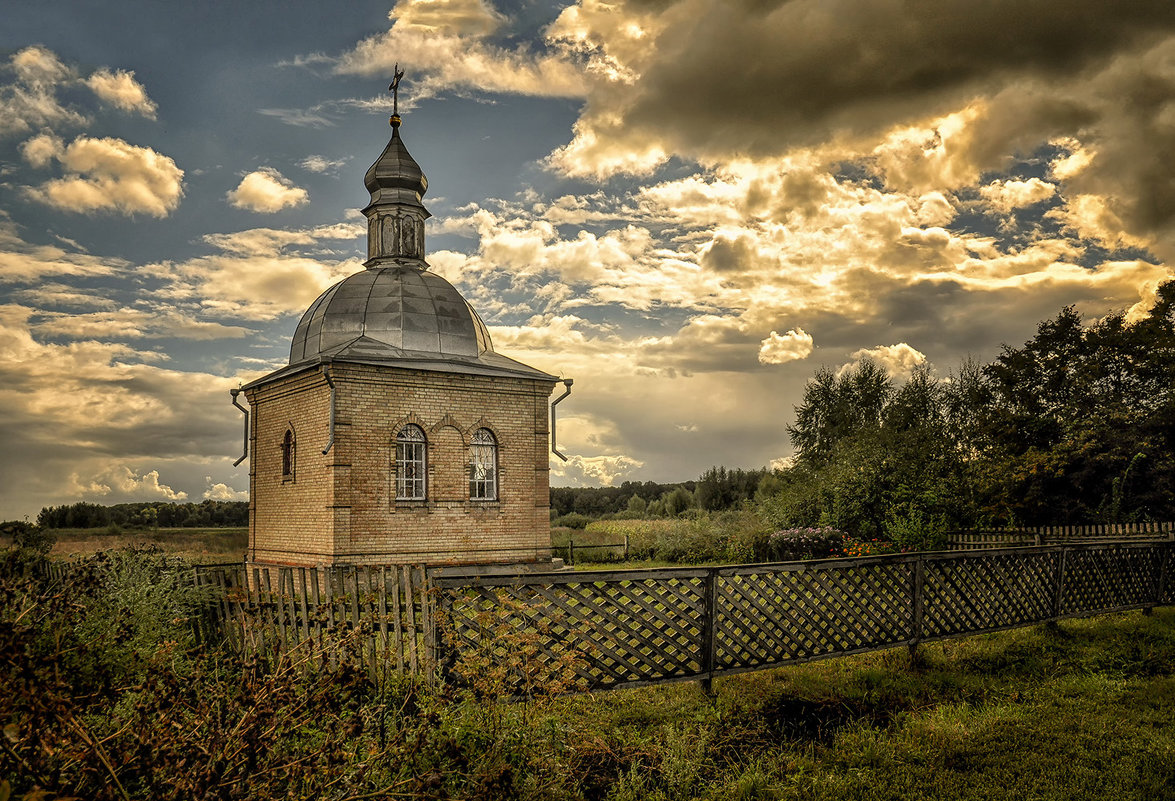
(717, 489)
(160, 514)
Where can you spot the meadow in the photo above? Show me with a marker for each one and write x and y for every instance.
(197, 545)
(107, 694)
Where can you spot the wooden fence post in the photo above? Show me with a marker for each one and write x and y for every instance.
(1161, 582)
(1060, 581)
(709, 620)
(570, 551)
(918, 580)
(428, 612)
(441, 612)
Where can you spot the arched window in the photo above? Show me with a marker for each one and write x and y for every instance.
(483, 466)
(411, 468)
(289, 452)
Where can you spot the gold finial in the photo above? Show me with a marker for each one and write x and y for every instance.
(394, 88)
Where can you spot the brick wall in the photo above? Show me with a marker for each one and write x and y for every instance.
(341, 507)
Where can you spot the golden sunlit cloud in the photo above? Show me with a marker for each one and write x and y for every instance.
(777, 349)
(120, 89)
(30, 102)
(108, 174)
(898, 360)
(127, 483)
(267, 191)
(445, 40)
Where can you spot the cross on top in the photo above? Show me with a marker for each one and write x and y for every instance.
(397, 74)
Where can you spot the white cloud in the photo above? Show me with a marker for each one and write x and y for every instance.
(446, 41)
(266, 190)
(22, 262)
(120, 89)
(898, 360)
(777, 349)
(321, 164)
(1074, 160)
(1004, 196)
(593, 470)
(129, 323)
(30, 101)
(127, 484)
(42, 149)
(110, 175)
(223, 492)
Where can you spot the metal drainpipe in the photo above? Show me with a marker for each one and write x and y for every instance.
(567, 382)
(331, 439)
(244, 411)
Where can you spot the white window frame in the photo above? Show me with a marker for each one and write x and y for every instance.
(411, 464)
(483, 466)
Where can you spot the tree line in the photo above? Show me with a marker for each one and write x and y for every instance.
(146, 514)
(1075, 426)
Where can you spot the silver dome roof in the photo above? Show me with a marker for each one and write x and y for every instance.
(391, 311)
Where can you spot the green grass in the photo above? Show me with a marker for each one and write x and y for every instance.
(1087, 711)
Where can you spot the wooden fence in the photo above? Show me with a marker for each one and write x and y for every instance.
(628, 628)
(618, 551)
(379, 617)
(1061, 535)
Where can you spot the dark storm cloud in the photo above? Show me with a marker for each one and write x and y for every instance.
(760, 75)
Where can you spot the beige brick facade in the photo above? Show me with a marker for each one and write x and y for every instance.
(341, 508)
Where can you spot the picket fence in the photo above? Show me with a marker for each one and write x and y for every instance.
(1061, 535)
(626, 628)
(378, 617)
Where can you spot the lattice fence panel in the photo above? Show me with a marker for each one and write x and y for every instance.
(781, 615)
(983, 592)
(1168, 594)
(1108, 578)
(608, 632)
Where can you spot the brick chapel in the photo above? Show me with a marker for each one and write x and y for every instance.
(397, 434)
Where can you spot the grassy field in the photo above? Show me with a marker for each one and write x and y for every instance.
(1083, 710)
(194, 544)
(1086, 711)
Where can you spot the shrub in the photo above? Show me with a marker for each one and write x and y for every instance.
(790, 544)
(571, 520)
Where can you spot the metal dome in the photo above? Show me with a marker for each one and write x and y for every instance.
(391, 311)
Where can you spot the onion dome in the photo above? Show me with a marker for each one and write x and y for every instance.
(395, 177)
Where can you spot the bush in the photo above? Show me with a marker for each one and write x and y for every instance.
(790, 544)
(571, 520)
(27, 537)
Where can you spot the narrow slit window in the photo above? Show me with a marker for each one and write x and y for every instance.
(411, 467)
(483, 466)
(288, 454)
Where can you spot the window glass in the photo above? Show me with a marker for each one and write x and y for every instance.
(483, 466)
(411, 469)
(288, 454)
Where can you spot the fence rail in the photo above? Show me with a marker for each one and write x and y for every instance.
(1061, 535)
(567, 552)
(630, 628)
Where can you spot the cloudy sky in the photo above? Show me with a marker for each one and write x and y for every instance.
(687, 206)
